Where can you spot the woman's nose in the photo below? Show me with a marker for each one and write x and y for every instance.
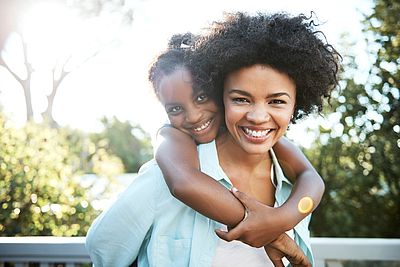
(258, 114)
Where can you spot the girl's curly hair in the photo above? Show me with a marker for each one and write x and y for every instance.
(174, 57)
(289, 44)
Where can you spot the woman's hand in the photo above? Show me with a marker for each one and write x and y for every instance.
(262, 225)
(284, 246)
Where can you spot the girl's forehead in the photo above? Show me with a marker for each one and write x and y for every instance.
(176, 87)
(178, 76)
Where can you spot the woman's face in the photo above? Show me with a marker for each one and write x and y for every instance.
(191, 112)
(259, 103)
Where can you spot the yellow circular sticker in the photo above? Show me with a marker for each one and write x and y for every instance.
(305, 205)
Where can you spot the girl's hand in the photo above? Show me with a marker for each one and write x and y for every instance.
(262, 225)
(284, 246)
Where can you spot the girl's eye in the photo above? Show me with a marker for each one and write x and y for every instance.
(240, 100)
(174, 110)
(201, 98)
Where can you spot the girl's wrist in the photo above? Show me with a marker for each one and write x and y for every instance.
(288, 219)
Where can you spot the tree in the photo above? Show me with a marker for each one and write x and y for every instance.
(359, 156)
(129, 142)
(41, 191)
(75, 46)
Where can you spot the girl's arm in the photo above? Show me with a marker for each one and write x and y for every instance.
(307, 181)
(178, 160)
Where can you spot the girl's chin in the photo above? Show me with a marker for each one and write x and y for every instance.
(203, 140)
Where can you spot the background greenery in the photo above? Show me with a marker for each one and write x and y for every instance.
(41, 190)
(41, 164)
(361, 165)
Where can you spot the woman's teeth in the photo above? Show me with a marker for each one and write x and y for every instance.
(254, 133)
(203, 126)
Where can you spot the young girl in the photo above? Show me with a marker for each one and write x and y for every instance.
(262, 90)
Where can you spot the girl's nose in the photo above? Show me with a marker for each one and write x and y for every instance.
(193, 115)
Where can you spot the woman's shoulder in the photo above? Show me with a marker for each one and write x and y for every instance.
(149, 166)
(148, 179)
(278, 173)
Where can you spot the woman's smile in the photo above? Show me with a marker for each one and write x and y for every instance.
(259, 103)
(256, 135)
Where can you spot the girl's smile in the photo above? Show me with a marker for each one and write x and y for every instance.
(191, 112)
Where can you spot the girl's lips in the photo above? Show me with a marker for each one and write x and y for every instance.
(201, 129)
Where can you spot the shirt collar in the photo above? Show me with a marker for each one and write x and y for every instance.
(209, 164)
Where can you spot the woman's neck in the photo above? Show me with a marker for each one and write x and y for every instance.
(250, 173)
(230, 151)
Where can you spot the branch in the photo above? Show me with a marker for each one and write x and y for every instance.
(87, 59)
(56, 83)
(28, 65)
(4, 64)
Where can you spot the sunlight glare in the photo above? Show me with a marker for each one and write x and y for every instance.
(47, 28)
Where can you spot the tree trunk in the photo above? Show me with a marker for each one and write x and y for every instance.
(26, 85)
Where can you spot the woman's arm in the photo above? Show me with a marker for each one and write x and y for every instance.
(284, 246)
(178, 160)
(307, 181)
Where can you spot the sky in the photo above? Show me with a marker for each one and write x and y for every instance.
(114, 83)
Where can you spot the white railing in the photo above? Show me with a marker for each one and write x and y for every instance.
(332, 252)
(70, 251)
(48, 251)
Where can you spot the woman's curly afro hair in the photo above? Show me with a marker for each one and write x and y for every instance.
(289, 44)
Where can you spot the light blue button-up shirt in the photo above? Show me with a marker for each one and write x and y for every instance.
(147, 222)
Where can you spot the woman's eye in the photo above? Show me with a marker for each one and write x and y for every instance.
(277, 101)
(174, 110)
(240, 100)
(201, 98)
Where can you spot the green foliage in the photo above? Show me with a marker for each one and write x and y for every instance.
(40, 189)
(129, 142)
(359, 157)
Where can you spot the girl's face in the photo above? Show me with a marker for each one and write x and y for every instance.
(191, 112)
(259, 103)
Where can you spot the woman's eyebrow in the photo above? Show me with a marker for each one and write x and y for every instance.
(245, 93)
(238, 91)
(279, 94)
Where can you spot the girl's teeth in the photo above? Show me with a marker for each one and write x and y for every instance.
(202, 127)
(256, 133)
